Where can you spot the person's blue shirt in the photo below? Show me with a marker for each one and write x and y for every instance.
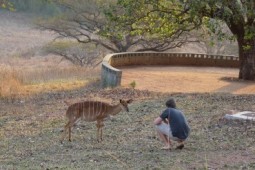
(177, 121)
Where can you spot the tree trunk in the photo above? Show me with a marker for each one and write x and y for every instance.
(247, 61)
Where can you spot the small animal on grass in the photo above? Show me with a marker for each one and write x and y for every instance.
(92, 111)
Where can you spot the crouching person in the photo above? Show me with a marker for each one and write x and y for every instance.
(172, 125)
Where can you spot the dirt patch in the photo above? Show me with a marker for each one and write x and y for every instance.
(186, 79)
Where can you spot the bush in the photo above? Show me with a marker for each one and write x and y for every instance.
(86, 55)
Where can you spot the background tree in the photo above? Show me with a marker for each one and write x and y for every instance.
(92, 21)
(190, 15)
(78, 53)
(212, 44)
(158, 30)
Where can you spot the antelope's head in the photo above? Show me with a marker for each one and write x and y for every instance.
(124, 104)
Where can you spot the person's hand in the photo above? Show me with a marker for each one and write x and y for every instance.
(157, 121)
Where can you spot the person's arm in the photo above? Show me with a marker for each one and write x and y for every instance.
(162, 118)
(158, 121)
(166, 121)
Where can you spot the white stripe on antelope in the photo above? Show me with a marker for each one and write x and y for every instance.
(92, 111)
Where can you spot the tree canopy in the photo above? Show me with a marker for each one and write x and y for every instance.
(155, 21)
(170, 16)
(95, 21)
(239, 16)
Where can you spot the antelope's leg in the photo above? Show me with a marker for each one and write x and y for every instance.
(98, 128)
(70, 126)
(69, 132)
(101, 130)
(65, 130)
(100, 124)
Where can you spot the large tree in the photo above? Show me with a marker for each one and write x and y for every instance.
(150, 20)
(239, 16)
(155, 15)
(92, 21)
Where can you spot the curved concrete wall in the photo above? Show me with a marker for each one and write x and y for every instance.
(111, 77)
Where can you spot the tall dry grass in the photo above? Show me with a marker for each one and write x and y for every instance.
(10, 84)
(15, 82)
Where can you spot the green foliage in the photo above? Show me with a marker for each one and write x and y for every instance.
(246, 47)
(5, 4)
(168, 18)
(133, 84)
(238, 15)
(44, 7)
(250, 32)
(217, 27)
(154, 19)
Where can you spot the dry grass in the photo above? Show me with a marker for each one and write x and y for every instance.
(16, 82)
(31, 131)
(10, 83)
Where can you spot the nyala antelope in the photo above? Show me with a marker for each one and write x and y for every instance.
(92, 111)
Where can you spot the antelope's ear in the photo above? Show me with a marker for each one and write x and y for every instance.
(130, 101)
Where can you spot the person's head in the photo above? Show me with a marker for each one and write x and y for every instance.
(170, 103)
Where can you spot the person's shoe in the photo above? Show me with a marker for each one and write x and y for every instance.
(181, 146)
